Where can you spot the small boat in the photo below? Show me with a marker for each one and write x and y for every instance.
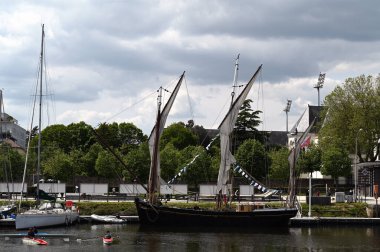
(110, 219)
(107, 241)
(33, 241)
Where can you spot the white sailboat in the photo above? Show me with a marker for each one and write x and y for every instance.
(47, 214)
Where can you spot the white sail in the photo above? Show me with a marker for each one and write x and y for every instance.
(225, 129)
(154, 176)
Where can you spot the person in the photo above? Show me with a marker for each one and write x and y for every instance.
(31, 233)
(108, 235)
(35, 231)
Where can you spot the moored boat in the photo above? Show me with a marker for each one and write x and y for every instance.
(110, 219)
(153, 212)
(47, 215)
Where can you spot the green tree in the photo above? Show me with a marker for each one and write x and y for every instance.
(335, 162)
(138, 161)
(11, 162)
(251, 156)
(56, 135)
(279, 166)
(107, 165)
(81, 136)
(246, 123)
(178, 135)
(353, 106)
(170, 162)
(59, 166)
(199, 169)
(310, 159)
(130, 137)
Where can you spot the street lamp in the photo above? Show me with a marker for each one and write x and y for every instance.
(287, 109)
(356, 165)
(319, 85)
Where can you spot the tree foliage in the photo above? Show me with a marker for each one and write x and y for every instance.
(352, 112)
(179, 136)
(279, 166)
(252, 156)
(310, 159)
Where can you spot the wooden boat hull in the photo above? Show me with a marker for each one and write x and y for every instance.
(107, 241)
(170, 216)
(33, 241)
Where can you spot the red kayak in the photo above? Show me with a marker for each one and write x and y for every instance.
(33, 241)
(107, 241)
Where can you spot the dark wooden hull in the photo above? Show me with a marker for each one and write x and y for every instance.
(179, 217)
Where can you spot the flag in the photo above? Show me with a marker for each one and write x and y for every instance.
(306, 143)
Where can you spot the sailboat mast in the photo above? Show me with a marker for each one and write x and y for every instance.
(40, 114)
(234, 84)
(153, 177)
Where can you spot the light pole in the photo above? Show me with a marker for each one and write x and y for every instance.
(287, 109)
(319, 85)
(356, 165)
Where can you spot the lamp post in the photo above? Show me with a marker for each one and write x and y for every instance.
(356, 165)
(287, 109)
(319, 85)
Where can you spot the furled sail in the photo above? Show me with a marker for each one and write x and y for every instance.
(225, 129)
(293, 157)
(154, 175)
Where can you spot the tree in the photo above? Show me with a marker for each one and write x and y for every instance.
(59, 166)
(12, 163)
(279, 166)
(251, 156)
(81, 136)
(246, 123)
(138, 161)
(107, 165)
(198, 170)
(130, 137)
(353, 106)
(170, 162)
(56, 135)
(335, 162)
(178, 135)
(310, 159)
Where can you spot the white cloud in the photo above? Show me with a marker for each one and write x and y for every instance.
(107, 58)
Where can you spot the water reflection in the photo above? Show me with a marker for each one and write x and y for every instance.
(136, 238)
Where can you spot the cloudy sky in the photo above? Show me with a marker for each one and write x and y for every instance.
(106, 58)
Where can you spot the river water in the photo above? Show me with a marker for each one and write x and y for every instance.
(132, 237)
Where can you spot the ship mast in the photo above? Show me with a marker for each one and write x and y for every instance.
(40, 115)
(152, 194)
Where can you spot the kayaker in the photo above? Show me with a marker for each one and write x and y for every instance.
(35, 230)
(31, 233)
(108, 235)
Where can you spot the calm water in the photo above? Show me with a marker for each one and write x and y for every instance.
(133, 238)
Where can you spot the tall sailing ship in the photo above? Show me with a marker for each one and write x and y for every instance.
(152, 212)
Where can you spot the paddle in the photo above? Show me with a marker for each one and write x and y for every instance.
(88, 239)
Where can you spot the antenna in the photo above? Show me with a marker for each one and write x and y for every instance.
(287, 109)
(319, 85)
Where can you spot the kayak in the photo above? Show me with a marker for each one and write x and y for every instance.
(107, 241)
(33, 241)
